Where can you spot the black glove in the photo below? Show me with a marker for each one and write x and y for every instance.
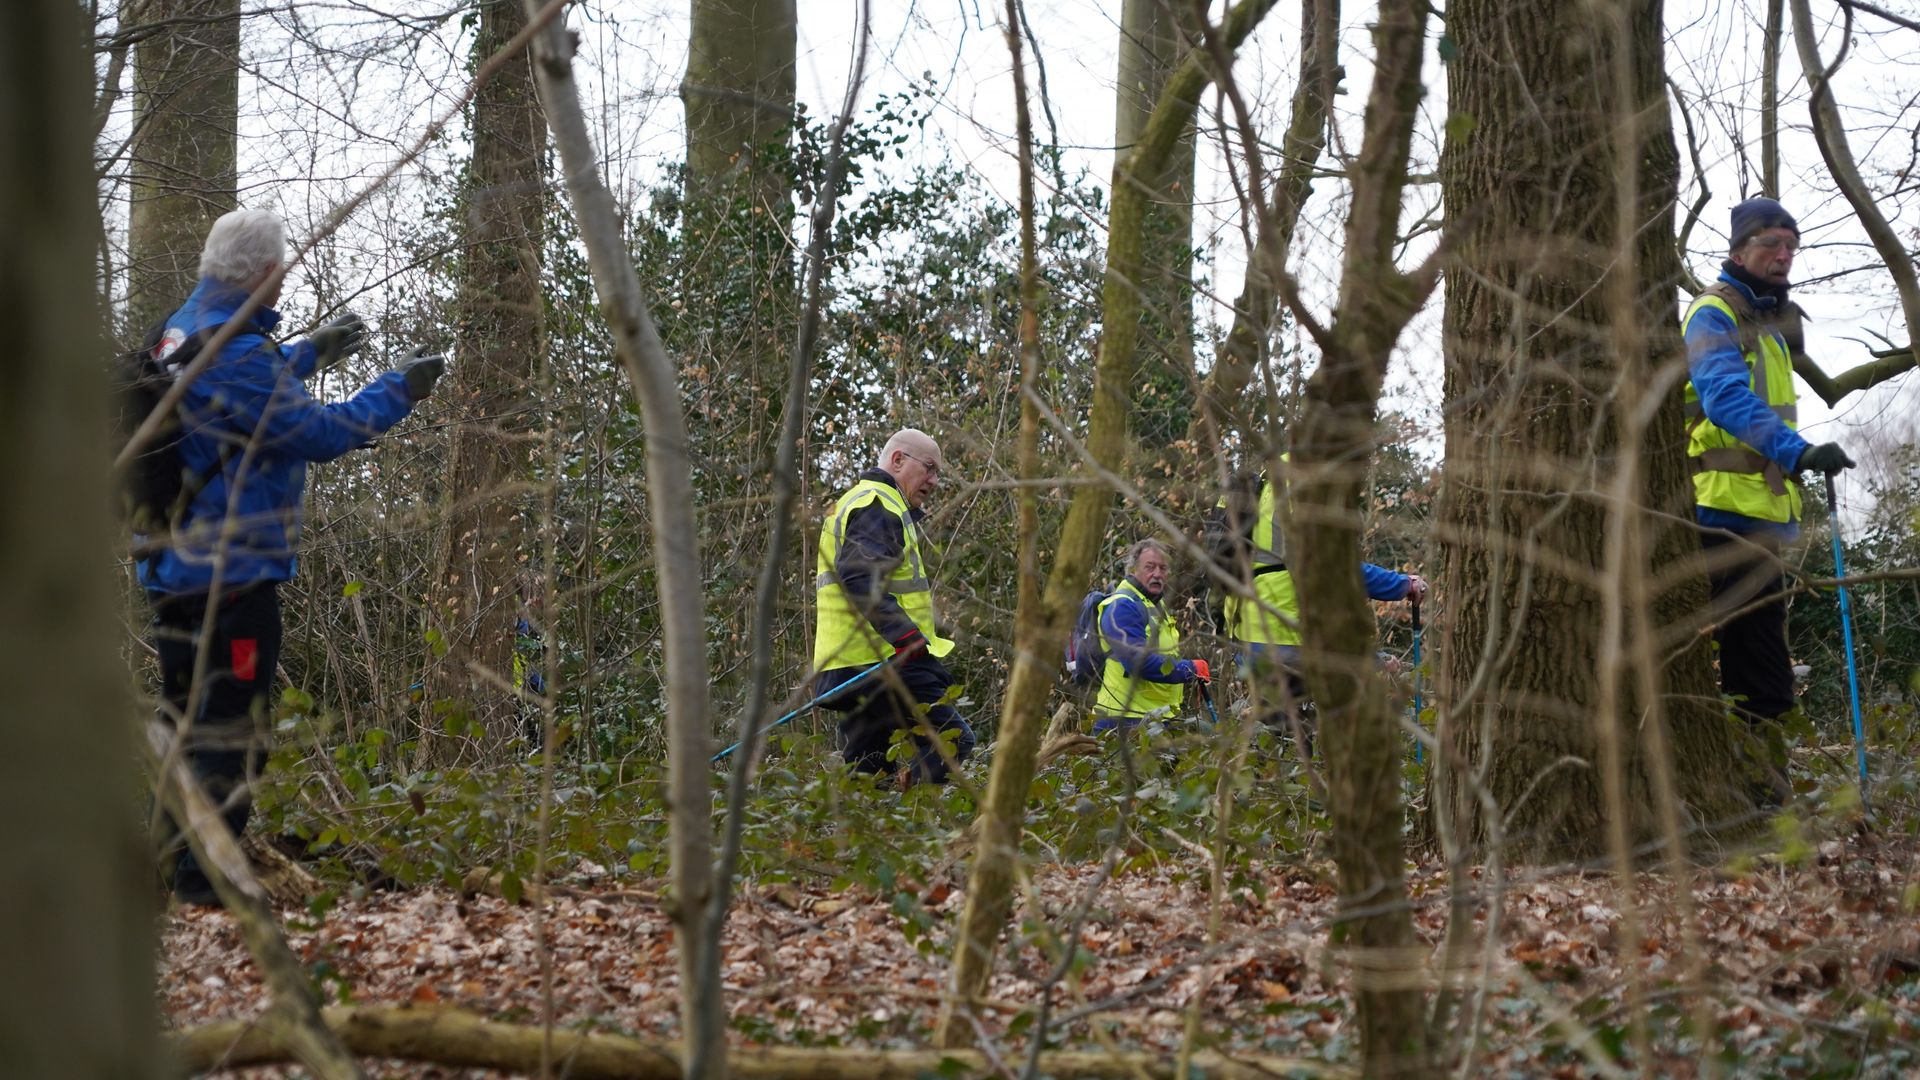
(338, 340)
(1825, 458)
(422, 369)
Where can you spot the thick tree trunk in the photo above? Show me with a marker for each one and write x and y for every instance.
(186, 87)
(1039, 639)
(737, 311)
(493, 398)
(1534, 430)
(455, 1038)
(76, 922)
(1153, 41)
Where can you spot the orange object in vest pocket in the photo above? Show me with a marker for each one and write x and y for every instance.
(246, 658)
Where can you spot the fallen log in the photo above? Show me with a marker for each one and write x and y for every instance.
(442, 1035)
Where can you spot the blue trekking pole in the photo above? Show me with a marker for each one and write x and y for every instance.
(1206, 695)
(804, 709)
(1419, 752)
(1846, 635)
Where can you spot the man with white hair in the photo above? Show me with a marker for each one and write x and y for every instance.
(876, 606)
(248, 428)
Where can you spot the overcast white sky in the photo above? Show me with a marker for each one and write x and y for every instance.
(316, 128)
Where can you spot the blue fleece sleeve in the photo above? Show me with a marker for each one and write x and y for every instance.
(1385, 584)
(873, 545)
(1123, 629)
(267, 400)
(303, 357)
(1722, 381)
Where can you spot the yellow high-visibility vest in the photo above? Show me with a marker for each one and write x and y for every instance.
(1275, 620)
(843, 637)
(1727, 473)
(1124, 695)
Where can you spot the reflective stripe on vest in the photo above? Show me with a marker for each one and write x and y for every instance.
(1123, 695)
(843, 636)
(1727, 473)
(1274, 618)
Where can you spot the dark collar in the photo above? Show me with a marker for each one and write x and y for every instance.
(1766, 295)
(882, 476)
(1141, 589)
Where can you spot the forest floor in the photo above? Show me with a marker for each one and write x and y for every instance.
(1811, 963)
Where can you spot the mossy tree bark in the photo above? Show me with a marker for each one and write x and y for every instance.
(1330, 455)
(1153, 41)
(736, 316)
(76, 920)
(1040, 634)
(491, 396)
(186, 94)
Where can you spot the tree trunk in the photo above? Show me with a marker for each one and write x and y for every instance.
(1245, 346)
(492, 402)
(1360, 730)
(186, 93)
(76, 887)
(737, 311)
(676, 550)
(1153, 42)
(1534, 425)
(451, 1037)
(1039, 639)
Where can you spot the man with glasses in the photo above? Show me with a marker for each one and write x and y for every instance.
(876, 607)
(1745, 453)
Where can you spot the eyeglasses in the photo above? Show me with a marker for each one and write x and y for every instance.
(932, 469)
(1775, 243)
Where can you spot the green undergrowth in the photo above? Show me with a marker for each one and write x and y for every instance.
(361, 814)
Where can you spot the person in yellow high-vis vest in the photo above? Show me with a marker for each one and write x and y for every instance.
(1745, 452)
(1141, 673)
(1245, 533)
(874, 603)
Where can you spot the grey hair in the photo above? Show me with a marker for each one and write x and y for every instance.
(242, 245)
(1141, 547)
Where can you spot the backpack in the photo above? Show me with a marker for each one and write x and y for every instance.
(153, 488)
(1085, 657)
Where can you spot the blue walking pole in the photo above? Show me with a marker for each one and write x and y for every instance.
(804, 709)
(1206, 695)
(1846, 635)
(1418, 748)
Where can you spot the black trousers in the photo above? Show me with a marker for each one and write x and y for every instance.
(889, 702)
(1756, 670)
(226, 742)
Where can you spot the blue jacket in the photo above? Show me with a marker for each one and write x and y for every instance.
(253, 402)
(1124, 623)
(1724, 383)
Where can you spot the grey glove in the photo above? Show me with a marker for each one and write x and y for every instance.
(1825, 458)
(422, 368)
(338, 340)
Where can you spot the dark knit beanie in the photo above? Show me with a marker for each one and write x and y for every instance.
(1755, 216)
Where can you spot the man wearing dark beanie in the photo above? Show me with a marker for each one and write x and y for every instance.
(1745, 454)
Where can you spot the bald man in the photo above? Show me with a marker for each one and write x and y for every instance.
(876, 606)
